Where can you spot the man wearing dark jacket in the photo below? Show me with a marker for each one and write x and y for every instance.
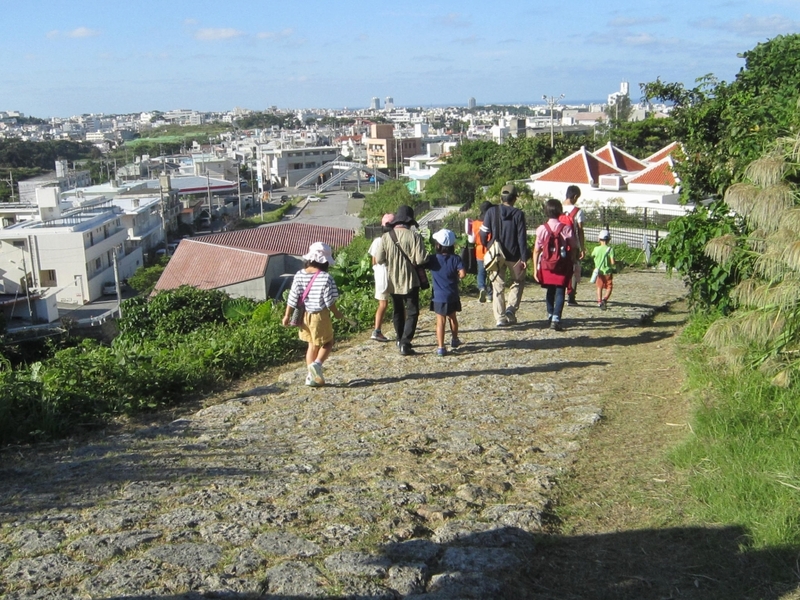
(507, 224)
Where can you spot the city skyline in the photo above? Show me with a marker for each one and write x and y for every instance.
(61, 59)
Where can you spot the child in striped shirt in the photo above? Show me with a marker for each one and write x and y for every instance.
(320, 291)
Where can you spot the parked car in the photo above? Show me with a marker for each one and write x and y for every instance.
(285, 198)
(313, 198)
(357, 195)
(109, 288)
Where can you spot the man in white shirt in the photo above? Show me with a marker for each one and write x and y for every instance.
(574, 216)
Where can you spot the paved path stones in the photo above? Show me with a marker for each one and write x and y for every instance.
(414, 477)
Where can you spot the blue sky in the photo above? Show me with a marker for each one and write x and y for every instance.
(62, 58)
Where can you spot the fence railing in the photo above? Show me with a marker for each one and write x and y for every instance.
(637, 227)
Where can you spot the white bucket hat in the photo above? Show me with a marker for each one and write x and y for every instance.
(319, 253)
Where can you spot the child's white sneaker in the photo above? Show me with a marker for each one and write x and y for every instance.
(315, 372)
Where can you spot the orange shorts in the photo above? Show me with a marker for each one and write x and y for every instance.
(605, 282)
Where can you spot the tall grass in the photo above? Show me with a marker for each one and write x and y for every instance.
(744, 455)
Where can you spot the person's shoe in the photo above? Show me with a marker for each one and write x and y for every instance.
(603, 305)
(502, 322)
(441, 352)
(511, 317)
(571, 300)
(455, 342)
(482, 296)
(315, 371)
(556, 326)
(378, 336)
(407, 350)
(310, 381)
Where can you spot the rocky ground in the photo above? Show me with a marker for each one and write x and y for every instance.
(404, 477)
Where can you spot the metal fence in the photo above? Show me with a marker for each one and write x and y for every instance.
(637, 227)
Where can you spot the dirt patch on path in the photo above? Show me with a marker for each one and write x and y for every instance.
(623, 525)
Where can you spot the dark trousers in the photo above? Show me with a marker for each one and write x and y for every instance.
(554, 299)
(406, 314)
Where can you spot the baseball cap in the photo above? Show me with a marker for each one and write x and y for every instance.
(508, 192)
(604, 235)
(445, 237)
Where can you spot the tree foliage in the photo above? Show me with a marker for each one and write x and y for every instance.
(455, 183)
(264, 120)
(386, 199)
(724, 126)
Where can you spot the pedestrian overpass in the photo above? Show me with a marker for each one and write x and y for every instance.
(344, 170)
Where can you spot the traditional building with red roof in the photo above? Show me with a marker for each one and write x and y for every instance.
(612, 174)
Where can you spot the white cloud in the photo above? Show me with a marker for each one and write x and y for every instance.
(639, 39)
(212, 34)
(468, 41)
(53, 34)
(752, 26)
(82, 32)
(454, 19)
(275, 35)
(635, 22)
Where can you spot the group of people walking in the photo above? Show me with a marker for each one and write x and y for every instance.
(401, 264)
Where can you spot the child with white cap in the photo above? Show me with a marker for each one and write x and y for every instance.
(602, 276)
(447, 269)
(314, 289)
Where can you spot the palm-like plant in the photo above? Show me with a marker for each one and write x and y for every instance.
(764, 330)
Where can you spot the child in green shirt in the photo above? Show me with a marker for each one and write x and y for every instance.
(603, 256)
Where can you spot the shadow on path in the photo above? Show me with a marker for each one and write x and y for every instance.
(695, 563)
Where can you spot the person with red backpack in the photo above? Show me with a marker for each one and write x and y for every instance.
(554, 254)
(573, 216)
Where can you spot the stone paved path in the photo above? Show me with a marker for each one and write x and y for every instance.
(405, 477)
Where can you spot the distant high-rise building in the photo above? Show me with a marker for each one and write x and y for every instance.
(471, 103)
(376, 103)
(389, 103)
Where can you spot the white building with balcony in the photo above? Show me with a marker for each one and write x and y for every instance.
(71, 255)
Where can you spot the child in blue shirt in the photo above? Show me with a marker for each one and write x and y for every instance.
(447, 269)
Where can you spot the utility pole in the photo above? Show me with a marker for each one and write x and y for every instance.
(11, 183)
(116, 281)
(551, 102)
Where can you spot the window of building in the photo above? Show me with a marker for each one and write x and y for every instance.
(19, 244)
(98, 264)
(48, 277)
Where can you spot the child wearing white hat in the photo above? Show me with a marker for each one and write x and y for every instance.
(315, 291)
(447, 269)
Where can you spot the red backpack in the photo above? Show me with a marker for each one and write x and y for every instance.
(555, 253)
(568, 218)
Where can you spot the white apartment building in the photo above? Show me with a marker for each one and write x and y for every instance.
(71, 256)
(287, 166)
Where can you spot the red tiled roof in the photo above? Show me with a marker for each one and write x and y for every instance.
(209, 266)
(282, 238)
(662, 154)
(579, 167)
(660, 173)
(619, 158)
